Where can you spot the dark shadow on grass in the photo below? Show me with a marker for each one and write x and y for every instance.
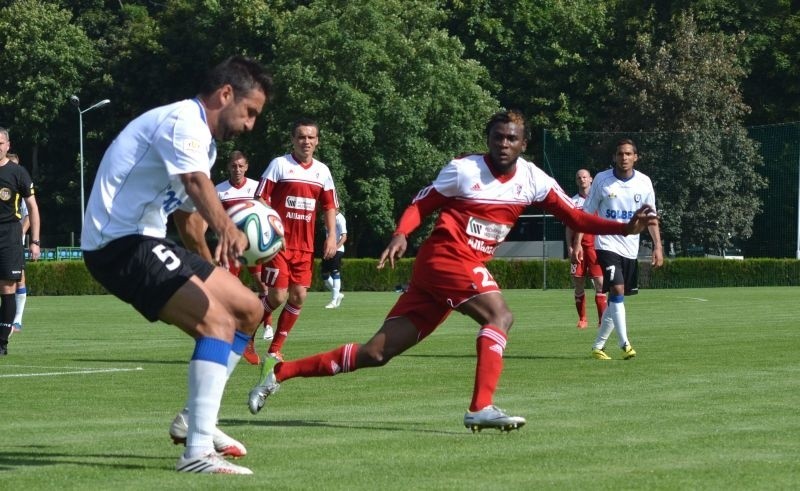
(576, 356)
(141, 361)
(19, 457)
(343, 425)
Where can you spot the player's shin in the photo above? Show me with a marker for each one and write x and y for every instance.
(207, 377)
(490, 345)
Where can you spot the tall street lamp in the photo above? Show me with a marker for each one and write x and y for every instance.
(77, 103)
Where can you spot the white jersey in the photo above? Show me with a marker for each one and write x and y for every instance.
(138, 182)
(618, 199)
(230, 195)
(341, 229)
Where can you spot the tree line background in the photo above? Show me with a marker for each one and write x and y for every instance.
(401, 86)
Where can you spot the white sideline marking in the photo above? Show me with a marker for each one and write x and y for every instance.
(695, 298)
(79, 371)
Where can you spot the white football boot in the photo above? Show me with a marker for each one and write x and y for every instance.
(210, 463)
(492, 417)
(223, 443)
(268, 333)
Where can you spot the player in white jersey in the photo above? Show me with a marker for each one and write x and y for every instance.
(616, 194)
(479, 198)
(160, 165)
(583, 258)
(332, 268)
(239, 188)
(296, 185)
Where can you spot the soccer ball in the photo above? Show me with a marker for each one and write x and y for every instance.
(264, 230)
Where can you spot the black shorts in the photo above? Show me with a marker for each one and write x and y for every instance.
(618, 270)
(12, 253)
(332, 264)
(145, 271)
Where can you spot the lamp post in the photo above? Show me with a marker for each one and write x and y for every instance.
(77, 103)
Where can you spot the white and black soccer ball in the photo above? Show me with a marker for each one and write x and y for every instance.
(264, 230)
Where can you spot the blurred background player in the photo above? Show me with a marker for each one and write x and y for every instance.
(296, 185)
(332, 268)
(583, 259)
(16, 186)
(21, 295)
(479, 198)
(237, 189)
(616, 194)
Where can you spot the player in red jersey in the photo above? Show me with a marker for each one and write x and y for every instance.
(239, 188)
(583, 258)
(479, 198)
(296, 185)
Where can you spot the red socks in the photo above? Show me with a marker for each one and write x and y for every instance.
(286, 322)
(339, 360)
(580, 306)
(601, 300)
(490, 345)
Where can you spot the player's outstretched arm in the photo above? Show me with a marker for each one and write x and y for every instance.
(643, 218)
(395, 250)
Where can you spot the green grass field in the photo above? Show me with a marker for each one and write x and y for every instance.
(712, 401)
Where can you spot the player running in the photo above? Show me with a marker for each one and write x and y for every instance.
(479, 197)
(296, 185)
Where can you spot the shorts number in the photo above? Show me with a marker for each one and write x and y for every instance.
(269, 275)
(167, 257)
(611, 269)
(487, 276)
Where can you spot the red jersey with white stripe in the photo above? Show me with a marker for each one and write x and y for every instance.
(588, 239)
(479, 206)
(231, 194)
(296, 190)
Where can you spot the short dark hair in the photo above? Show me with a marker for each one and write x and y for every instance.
(510, 116)
(243, 74)
(304, 122)
(626, 141)
(236, 155)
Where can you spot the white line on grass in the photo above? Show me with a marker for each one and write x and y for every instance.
(695, 298)
(77, 372)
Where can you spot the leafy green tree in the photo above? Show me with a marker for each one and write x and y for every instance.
(392, 92)
(704, 166)
(45, 57)
(549, 59)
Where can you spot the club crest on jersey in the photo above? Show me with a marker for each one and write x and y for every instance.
(517, 190)
(191, 146)
(637, 198)
(5, 194)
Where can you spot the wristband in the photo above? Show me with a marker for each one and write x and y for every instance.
(36, 242)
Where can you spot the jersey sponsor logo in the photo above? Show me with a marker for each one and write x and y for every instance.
(5, 194)
(486, 230)
(191, 146)
(619, 214)
(481, 246)
(171, 201)
(306, 217)
(300, 203)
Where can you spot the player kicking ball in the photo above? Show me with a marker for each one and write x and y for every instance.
(479, 198)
